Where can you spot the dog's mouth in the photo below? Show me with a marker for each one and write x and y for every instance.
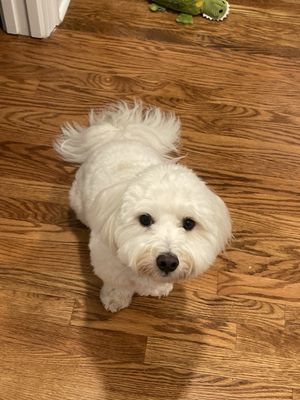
(153, 272)
(162, 276)
(173, 277)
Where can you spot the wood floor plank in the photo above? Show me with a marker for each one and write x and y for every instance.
(61, 269)
(161, 27)
(282, 342)
(264, 256)
(41, 308)
(250, 366)
(22, 85)
(35, 190)
(296, 394)
(256, 287)
(146, 25)
(88, 86)
(189, 300)
(90, 314)
(292, 314)
(25, 336)
(217, 102)
(23, 161)
(282, 8)
(153, 383)
(44, 351)
(51, 359)
(249, 157)
(165, 56)
(44, 115)
(205, 284)
(43, 232)
(43, 213)
(121, 380)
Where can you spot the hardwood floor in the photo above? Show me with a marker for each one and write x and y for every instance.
(233, 333)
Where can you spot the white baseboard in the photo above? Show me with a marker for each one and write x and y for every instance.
(63, 6)
(36, 18)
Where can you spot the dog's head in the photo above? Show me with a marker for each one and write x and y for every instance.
(170, 225)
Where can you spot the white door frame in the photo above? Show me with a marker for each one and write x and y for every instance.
(36, 18)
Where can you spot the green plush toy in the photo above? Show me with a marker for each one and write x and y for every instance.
(212, 9)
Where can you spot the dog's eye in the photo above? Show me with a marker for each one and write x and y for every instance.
(146, 220)
(188, 224)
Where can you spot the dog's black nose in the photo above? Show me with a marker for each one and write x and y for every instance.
(167, 262)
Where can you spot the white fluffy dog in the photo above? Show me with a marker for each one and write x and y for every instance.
(153, 222)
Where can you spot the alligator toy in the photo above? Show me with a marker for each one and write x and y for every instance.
(212, 9)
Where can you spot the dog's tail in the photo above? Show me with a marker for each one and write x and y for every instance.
(151, 126)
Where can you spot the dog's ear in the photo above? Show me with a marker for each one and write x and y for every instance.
(105, 228)
(108, 232)
(216, 220)
(105, 213)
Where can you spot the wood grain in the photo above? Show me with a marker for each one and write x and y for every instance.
(263, 368)
(231, 334)
(61, 269)
(282, 342)
(232, 284)
(41, 308)
(87, 313)
(36, 212)
(292, 314)
(34, 190)
(61, 360)
(219, 308)
(296, 394)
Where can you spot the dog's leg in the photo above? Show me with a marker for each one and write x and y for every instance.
(118, 285)
(115, 298)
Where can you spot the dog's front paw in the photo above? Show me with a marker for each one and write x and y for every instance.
(114, 299)
(160, 290)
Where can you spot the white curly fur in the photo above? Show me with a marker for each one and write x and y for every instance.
(126, 171)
